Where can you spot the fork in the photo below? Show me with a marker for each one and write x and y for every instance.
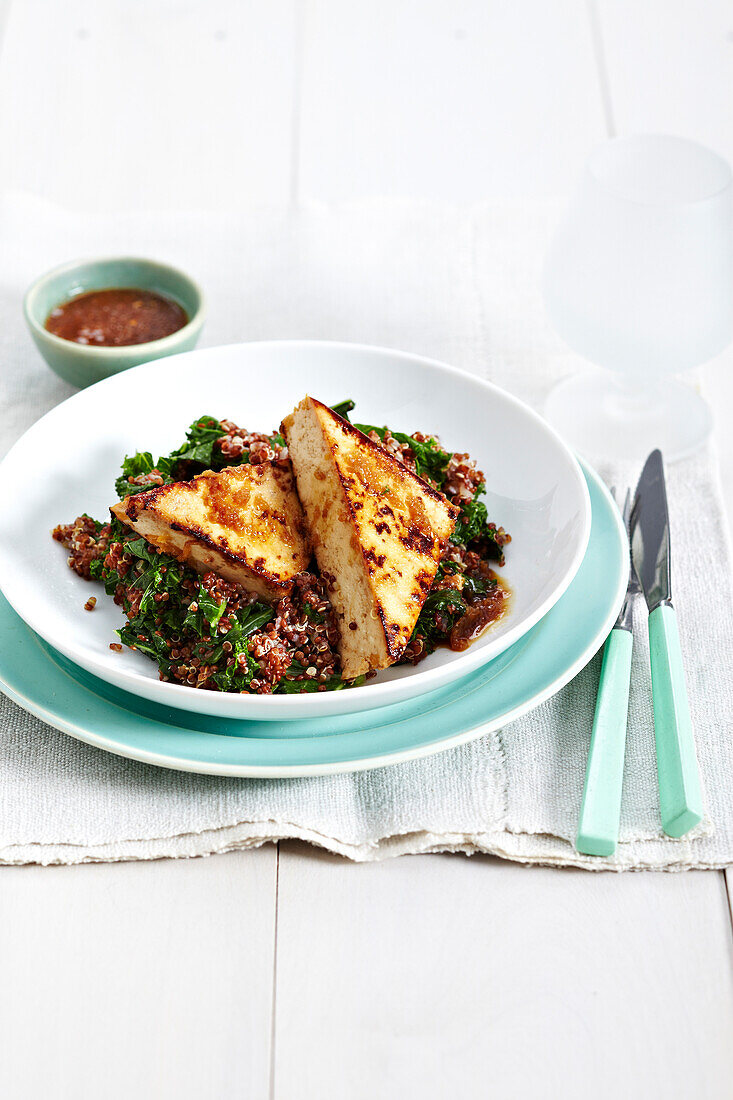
(600, 811)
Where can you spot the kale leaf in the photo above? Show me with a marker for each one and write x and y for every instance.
(344, 408)
(203, 613)
(441, 611)
(474, 587)
(474, 529)
(198, 453)
(472, 521)
(431, 461)
(290, 686)
(199, 445)
(138, 465)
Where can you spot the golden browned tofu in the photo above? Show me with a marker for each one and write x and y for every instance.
(377, 532)
(244, 523)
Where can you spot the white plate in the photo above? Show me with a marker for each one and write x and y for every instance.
(66, 464)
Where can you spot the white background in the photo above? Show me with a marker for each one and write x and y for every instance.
(284, 972)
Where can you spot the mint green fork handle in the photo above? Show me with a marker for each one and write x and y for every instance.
(601, 808)
(680, 796)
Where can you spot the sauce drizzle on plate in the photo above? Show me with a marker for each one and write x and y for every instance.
(480, 615)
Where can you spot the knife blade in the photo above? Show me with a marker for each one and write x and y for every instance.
(650, 533)
(680, 795)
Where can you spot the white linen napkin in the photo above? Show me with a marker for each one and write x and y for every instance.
(459, 284)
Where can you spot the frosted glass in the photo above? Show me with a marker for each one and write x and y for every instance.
(639, 277)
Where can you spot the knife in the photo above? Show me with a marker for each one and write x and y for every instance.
(680, 796)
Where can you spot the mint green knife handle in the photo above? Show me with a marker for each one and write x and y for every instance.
(680, 797)
(601, 808)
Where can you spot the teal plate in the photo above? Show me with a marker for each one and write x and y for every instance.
(48, 685)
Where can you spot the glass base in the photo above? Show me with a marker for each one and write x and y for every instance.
(603, 417)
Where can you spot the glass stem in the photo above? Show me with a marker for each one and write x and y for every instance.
(631, 399)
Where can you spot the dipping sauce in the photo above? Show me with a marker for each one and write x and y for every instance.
(116, 317)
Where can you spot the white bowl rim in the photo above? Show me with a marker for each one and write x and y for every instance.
(322, 703)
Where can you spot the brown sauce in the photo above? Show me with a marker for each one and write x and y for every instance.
(116, 317)
(479, 617)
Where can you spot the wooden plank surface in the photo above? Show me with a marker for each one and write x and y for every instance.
(138, 979)
(438, 976)
(425, 977)
(447, 99)
(670, 67)
(149, 105)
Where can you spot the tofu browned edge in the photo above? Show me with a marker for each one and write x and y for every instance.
(190, 544)
(375, 642)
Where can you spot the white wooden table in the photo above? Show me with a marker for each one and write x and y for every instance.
(284, 972)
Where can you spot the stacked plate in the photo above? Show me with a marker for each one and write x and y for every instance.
(567, 566)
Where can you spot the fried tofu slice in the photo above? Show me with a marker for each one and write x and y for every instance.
(377, 531)
(244, 523)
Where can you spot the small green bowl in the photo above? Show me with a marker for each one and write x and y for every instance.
(84, 364)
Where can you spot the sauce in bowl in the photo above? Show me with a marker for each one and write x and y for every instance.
(116, 317)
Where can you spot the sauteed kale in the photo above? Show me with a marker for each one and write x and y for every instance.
(204, 631)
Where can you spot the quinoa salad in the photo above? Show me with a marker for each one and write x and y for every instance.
(207, 632)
